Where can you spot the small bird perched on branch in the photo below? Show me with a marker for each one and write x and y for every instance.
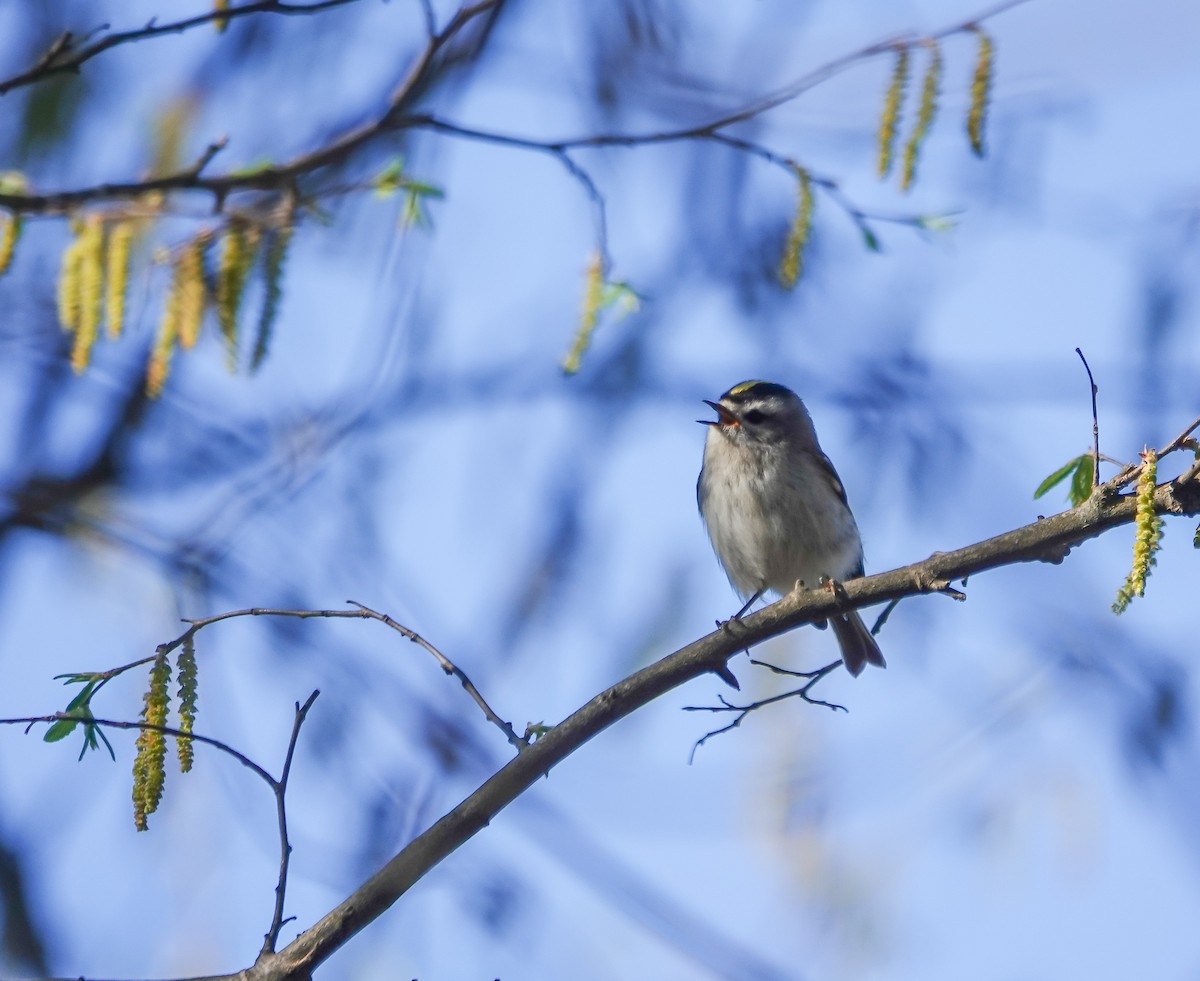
(775, 509)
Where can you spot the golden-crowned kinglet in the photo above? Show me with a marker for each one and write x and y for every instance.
(775, 509)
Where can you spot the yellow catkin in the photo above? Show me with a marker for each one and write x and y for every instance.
(68, 280)
(116, 276)
(171, 128)
(164, 343)
(149, 770)
(189, 282)
(889, 121)
(10, 231)
(91, 289)
(981, 86)
(1148, 534)
(186, 666)
(593, 293)
(791, 264)
(238, 251)
(220, 23)
(273, 260)
(925, 113)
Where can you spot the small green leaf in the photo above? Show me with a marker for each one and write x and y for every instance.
(1059, 475)
(1196, 540)
(77, 706)
(424, 190)
(942, 221)
(415, 193)
(60, 730)
(90, 732)
(388, 180)
(413, 214)
(870, 238)
(76, 678)
(81, 700)
(621, 295)
(1081, 483)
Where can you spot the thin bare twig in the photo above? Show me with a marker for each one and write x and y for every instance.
(1095, 422)
(1190, 474)
(814, 677)
(30, 721)
(1132, 470)
(363, 613)
(518, 742)
(62, 57)
(884, 616)
(1181, 440)
(285, 848)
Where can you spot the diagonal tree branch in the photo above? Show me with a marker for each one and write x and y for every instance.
(1047, 539)
(281, 176)
(397, 116)
(63, 56)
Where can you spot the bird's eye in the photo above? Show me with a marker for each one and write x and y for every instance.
(754, 417)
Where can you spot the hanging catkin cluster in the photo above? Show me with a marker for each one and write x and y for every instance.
(186, 666)
(893, 103)
(276, 250)
(593, 295)
(10, 231)
(791, 263)
(11, 223)
(1147, 535)
(149, 764)
(981, 89)
(926, 110)
(889, 119)
(238, 252)
(93, 284)
(149, 770)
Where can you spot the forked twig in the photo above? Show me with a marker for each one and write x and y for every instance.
(361, 613)
(1095, 422)
(813, 677)
(285, 848)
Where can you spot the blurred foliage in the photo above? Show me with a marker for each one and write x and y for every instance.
(52, 109)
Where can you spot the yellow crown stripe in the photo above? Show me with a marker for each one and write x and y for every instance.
(745, 386)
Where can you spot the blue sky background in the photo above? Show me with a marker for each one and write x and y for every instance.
(1016, 797)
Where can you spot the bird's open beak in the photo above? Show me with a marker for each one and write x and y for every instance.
(724, 416)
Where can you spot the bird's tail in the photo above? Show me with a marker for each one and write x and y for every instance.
(858, 646)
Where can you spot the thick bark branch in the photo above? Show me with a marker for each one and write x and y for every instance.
(1047, 539)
